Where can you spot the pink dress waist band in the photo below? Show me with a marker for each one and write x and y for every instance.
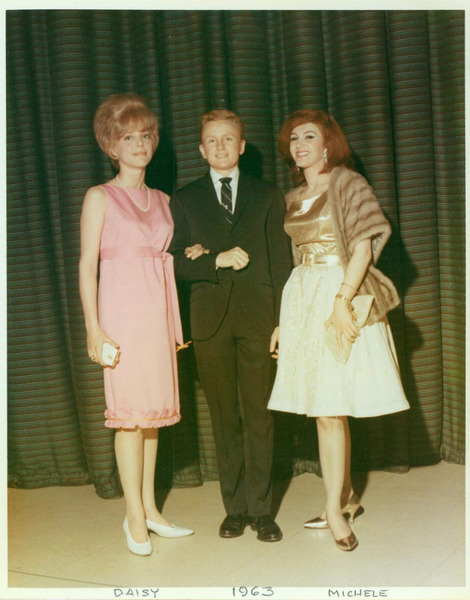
(133, 252)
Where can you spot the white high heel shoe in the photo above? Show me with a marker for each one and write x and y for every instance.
(168, 531)
(142, 548)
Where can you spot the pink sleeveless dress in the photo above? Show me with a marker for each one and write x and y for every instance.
(138, 309)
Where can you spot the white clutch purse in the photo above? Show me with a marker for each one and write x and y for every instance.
(109, 355)
(362, 305)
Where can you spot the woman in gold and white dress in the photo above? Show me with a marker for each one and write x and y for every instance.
(338, 231)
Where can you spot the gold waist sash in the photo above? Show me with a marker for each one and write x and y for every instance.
(309, 259)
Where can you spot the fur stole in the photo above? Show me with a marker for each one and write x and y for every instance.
(356, 215)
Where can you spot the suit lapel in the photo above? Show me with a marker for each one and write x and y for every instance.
(210, 203)
(209, 197)
(243, 198)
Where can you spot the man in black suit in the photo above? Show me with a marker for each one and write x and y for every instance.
(234, 304)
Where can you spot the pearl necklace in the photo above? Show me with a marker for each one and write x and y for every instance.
(130, 195)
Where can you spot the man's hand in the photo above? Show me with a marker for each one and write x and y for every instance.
(236, 258)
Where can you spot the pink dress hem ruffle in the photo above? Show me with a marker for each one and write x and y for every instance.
(127, 420)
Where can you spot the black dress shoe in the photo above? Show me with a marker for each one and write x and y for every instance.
(268, 530)
(232, 526)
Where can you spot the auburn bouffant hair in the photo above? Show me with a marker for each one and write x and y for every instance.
(334, 141)
(120, 113)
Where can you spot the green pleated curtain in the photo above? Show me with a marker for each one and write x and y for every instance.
(395, 82)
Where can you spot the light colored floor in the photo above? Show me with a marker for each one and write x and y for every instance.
(412, 535)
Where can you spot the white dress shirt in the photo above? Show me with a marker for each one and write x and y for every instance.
(216, 177)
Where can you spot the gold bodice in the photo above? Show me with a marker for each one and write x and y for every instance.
(308, 223)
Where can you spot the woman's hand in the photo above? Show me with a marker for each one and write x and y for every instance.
(273, 346)
(95, 341)
(195, 251)
(343, 318)
(344, 322)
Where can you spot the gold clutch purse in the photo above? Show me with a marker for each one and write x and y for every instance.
(361, 305)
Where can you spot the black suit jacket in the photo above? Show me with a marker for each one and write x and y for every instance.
(257, 227)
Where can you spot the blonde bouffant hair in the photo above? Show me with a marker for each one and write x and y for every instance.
(116, 115)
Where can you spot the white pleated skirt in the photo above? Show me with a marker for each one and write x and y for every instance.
(309, 380)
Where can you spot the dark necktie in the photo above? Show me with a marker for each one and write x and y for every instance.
(226, 193)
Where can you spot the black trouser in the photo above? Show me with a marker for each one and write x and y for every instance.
(236, 373)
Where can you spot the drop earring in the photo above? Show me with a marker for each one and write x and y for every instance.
(325, 156)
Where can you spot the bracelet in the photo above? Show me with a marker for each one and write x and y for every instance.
(345, 300)
(349, 286)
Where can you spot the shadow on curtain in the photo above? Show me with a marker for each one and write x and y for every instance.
(395, 82)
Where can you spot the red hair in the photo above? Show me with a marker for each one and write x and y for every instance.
(334, 141)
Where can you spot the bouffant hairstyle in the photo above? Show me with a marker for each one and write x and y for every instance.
(222, 115)
(334, 140)
(118, 114)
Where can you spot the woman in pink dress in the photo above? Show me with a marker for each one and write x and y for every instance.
(126, 228)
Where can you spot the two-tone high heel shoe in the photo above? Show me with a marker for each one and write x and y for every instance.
(140, 548)
(348, 543)
(168, 531)
(351, 511)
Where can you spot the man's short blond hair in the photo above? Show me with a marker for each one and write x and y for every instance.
(222, 115)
